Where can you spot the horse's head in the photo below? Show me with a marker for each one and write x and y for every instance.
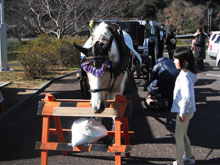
(101, 57)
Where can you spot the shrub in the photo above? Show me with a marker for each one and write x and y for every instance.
(37, 55)
(13, 46)
(66, 52)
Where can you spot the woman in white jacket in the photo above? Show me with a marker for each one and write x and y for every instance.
(184, 104)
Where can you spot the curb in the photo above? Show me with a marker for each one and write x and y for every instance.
(4, 116)
(3, 84)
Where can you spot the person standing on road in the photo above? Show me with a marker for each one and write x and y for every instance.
(184, 104)
(149, 41)
(161, 37)
(200, 53)
(193, 43)
(171, 43)
(147, 29)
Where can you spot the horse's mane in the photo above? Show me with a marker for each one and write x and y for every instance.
(101, 31)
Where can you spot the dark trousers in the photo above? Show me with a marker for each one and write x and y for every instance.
(171, 52)
(160, 48)
(151, 52)
(200, 64)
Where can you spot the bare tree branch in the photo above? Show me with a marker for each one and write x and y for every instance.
(58, 17)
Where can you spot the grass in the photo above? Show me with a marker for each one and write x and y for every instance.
(19, 86)
(180, 42)
(12, 58)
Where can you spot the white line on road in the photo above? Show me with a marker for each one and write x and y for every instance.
(210, 61)
(212, 75)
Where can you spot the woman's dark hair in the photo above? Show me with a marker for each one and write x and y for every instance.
(186, 58)
(200, 29)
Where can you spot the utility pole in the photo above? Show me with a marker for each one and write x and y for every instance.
(209, 17)
(3, 40)
(210, 20)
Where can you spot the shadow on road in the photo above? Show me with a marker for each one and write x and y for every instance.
(20, 132)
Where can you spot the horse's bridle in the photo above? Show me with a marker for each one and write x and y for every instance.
(93, 59)
(109, 89)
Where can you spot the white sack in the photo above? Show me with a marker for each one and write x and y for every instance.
(86, 130)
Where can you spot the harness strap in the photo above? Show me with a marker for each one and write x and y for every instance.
(96, 57)
(124, 52)
(104, 89)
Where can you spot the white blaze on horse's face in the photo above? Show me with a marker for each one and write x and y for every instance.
(98, 98)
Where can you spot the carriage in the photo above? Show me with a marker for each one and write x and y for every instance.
(136, 30)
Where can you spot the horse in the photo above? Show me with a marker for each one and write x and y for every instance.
(108, 60)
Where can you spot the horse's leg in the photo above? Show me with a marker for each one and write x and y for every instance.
(122, 80)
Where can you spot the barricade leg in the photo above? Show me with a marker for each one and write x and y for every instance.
(118, 140)
(45, 138)
(126, 135)
(59, 131)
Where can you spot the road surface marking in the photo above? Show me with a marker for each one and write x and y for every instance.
(212, 75)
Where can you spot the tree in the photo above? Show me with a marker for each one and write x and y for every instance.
(184, 16)
(214, 6)
(57, 17)
(149, 8)
(61, 17)
(146, 10)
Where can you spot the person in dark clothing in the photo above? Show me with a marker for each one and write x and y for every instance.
(171, 43)
(151, 41)
(151, 50)
(161, 37)
(200, 53)
(163, 80)
(148, 29)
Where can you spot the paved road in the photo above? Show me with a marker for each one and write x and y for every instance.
(153, 142)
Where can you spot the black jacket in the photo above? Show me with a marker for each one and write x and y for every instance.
(169, 43)
(164, 77)
(200, 53)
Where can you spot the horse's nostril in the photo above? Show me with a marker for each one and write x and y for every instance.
(100, 108)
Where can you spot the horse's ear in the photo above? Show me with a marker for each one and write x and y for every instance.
(81, 49)
(108, 44)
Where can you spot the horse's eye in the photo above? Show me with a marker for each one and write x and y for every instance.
(104, 40)
(105, 67)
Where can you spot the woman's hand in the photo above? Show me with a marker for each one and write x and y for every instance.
(181, 119)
